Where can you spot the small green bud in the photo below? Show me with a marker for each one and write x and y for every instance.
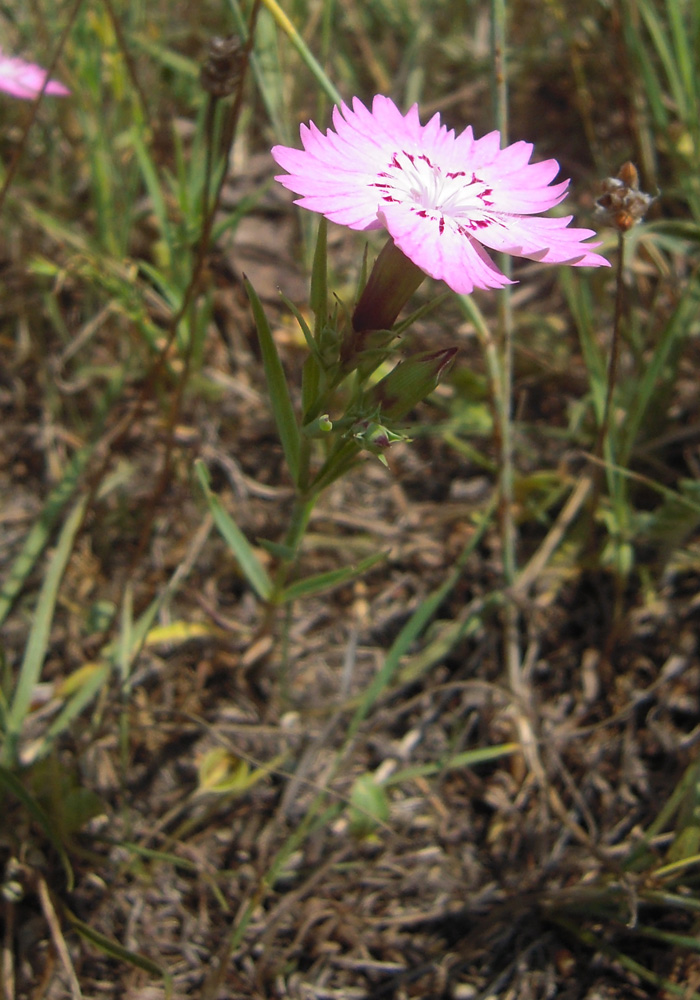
(321, 425)
(410, 382)
(375, 437)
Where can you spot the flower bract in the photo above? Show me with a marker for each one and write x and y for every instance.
(442, 197)
(22, 79)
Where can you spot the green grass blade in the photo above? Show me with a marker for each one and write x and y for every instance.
(651, 84)
(597, 943)
(153, 185)
(267, 79)
(35, 652)
(302, 48)
(580, 302)
(318, 299)
(666, 54)
(324, 581)
(688, 69)
(467, 758)
(414, 626)
(252, 568)
(41, 531)
(281, 402)
(118, 951)
(669, 937)
(675, 329)
(72, 709)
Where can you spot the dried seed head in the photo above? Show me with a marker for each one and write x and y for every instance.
(622, 204)
(224, 67)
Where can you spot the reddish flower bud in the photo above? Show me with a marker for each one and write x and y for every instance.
(393, 280)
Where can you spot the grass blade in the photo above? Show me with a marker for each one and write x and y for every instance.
(282, 408)
(252, 568)
(324, 581)
(39, 636)
(41, 531)
(302, 48)
(118, 951)
(414, 626)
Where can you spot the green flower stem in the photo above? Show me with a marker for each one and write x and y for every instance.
(301, 515)
(341, 459)
(304, 463)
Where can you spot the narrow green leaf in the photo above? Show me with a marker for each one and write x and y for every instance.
(165, 56)
(41, 531)
(467, 758)
(305, 329)
(153, 185)
(125, 640)
(669, 937)
(580, 302)
(302, 48)
(35, 651)
(324, 581)
(72, 709)
(646, 64)
(310, 386)
(239, 545)
(276, 549)
(280, 400)
(675, 330)
(684, 41)
(668, 57)
(318, 299)
(414, 626)
(118, 951)
(265, 68)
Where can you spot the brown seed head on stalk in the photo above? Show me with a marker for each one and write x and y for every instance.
(622, 204)
(224, 67)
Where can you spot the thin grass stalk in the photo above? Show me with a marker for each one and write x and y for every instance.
(504, 384)
(284, 24)
(37, 643)
(605, 440)
(128, 59)
(605, 452)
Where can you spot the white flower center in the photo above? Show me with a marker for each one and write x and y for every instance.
(416, 181)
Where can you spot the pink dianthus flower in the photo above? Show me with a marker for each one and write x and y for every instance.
(23, 79)
(442, 197)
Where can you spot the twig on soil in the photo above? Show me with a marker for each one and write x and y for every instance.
(59, 942)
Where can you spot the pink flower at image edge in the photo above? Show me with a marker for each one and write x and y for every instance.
(22, 79)
(442, 197)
